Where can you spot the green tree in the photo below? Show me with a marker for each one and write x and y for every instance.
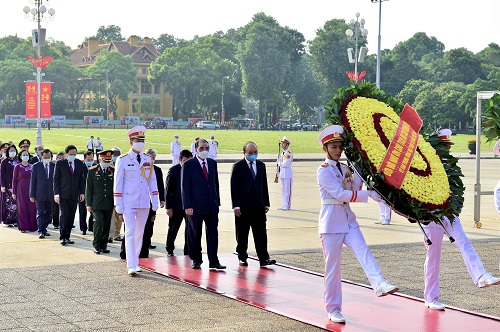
(14, 73)
(109, 33)
(149, 105)
(457, 65)
(122, 76)
(165, 41)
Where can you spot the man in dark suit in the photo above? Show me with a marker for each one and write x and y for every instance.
(150, 222)
(201, 201)
(99, 199)
(69, 189)
(38, 155)
(42, 191)
(173, 204)
(250, 200)
(88, 160)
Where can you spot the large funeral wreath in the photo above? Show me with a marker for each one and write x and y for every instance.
(432, 188)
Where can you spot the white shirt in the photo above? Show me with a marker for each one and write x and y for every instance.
(496, 194)
(213, 149)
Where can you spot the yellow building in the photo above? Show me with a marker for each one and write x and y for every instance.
(142, 54)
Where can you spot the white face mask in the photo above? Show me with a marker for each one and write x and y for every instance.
(104, 165)
(12, 154)
(203, 154)
(46, 161)
(25, 158)
(138, 146)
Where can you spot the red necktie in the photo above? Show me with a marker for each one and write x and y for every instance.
(71, 168)
(205, 171)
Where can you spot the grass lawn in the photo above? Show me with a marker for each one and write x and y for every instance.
(230, 141)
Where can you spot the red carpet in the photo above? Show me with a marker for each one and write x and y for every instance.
(299, 295)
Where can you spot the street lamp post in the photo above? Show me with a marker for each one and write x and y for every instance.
(38, 13)
(356, 34)
(377, 80)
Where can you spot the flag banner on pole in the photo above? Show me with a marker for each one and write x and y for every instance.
(402, 148)
(31, 99)
(45, 98)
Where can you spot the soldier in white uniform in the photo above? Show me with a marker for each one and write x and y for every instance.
(175, 149)
(433, 259)
(338, 225)
(194, 145)
(286, 174)
(496, 191)
(385, 214)
(135, 189)
(213, 146)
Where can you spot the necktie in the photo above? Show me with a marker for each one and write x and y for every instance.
(139, 158)
(340, 169)
(251, 169)
(205, 171)
(47, 170)
(71, 168)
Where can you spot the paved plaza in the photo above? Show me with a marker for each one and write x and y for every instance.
(48, 287)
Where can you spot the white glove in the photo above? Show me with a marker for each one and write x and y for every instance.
(375, 196)
(119, 209)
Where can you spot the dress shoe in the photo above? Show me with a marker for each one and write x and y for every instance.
(110, 240)
(386, 222)
(243, 262)
(105, 251)
(68, 241)
(97, 251)
(73, 226)
(118, 238)
(379, 221)
(170, 253)
(436, 305)
(132, 272)
(267, 262)
(63, 242)
(138, 269)
(84, 232)
(336, 316)
(152, 246)
(56, 227)
(47, 234)
(41, 236)
(487, 280)
(196, 265)
(217, 266)
(10, 225)
(385, 288)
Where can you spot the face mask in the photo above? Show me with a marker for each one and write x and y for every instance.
(252, 157)
(89, 163)
(203, 154)
(46, 161)
(12, 154)
(71, 158)
(39, 153)
(176, 140)
(114, 158)
(25, 158)
(104, 165)
(138, 146)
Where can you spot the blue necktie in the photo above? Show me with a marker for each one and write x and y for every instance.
(251, 169)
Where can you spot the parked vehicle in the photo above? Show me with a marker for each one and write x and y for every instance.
(156, 124)
(207, 125)
(307, 126)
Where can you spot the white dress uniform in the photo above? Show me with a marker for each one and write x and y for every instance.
(433, 259)
(135, 188)
(385, 214)
(338, 226)
(193, 148)
(286, 176)
(496, 194)
(175, 149)
(213, 149)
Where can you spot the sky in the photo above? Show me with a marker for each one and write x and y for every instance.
(469, 24)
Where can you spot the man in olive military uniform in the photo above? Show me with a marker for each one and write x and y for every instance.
(99, 199)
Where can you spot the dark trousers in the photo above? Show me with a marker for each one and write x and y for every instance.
(82, 209)
(55, 214)
(102, 222)
(258, 224)
(146, 237)
(43, 215)
(195, 224)
(174, 224)
(67, 211)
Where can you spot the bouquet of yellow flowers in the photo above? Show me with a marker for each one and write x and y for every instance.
(431, 187)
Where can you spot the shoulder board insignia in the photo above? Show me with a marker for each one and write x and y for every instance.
(111, 166)
(324, 164)
(95, 166)
(123, 155)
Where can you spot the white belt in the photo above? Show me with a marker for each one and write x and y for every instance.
(331, 201)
